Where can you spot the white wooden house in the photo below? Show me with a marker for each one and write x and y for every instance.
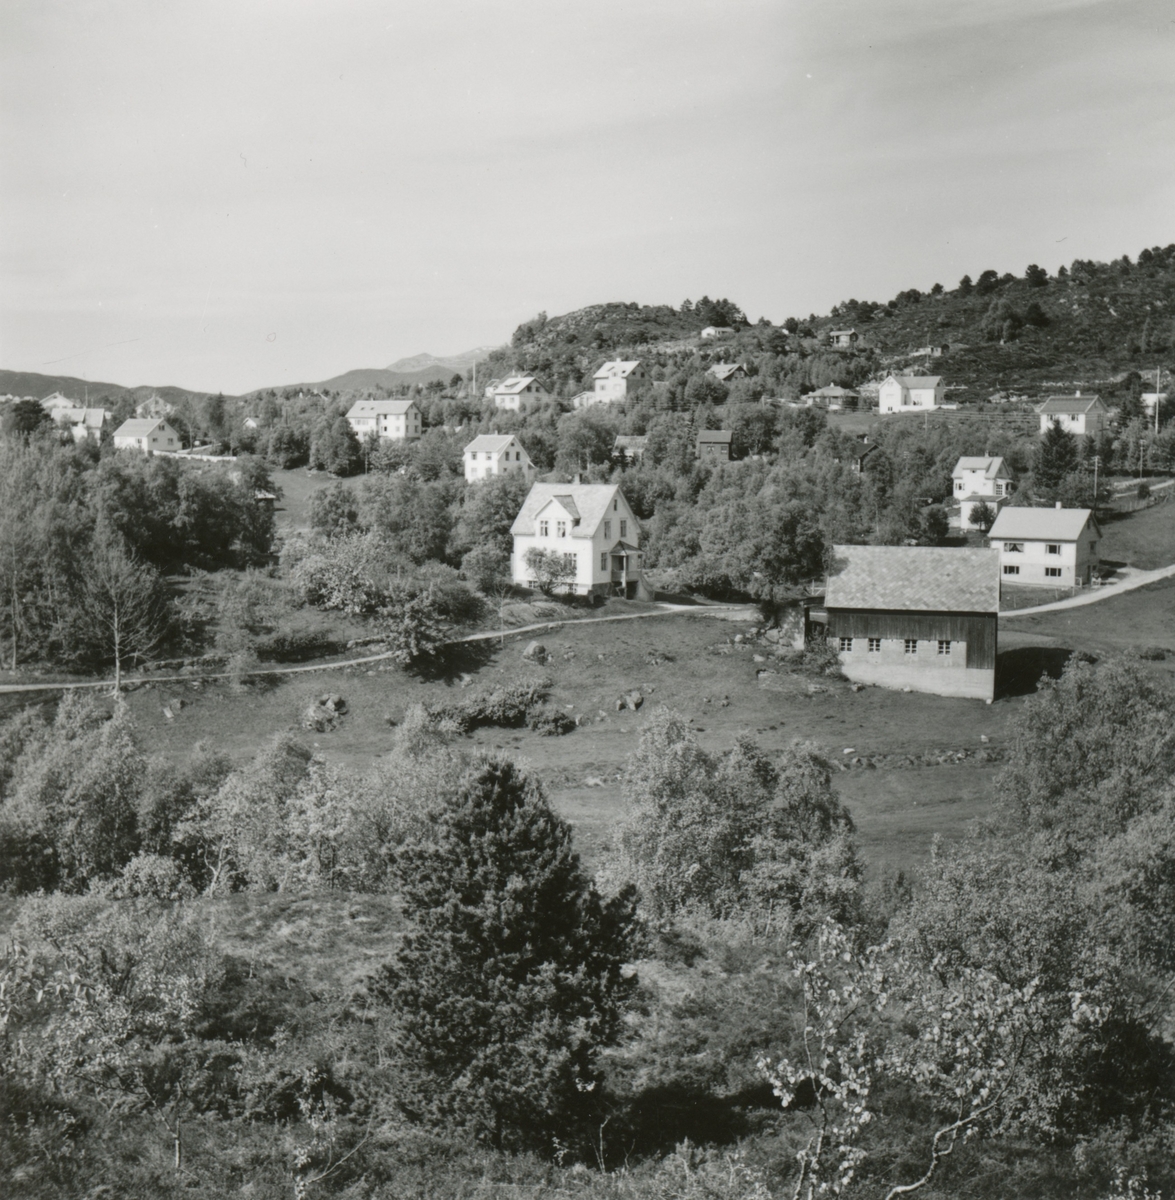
(592, 526)
(977, 480)
(617, 379)
(910, 393)
(146, 435)
(1076, 414)
(1046, 547)
(492, 454)
(389, 420)
(516, 390)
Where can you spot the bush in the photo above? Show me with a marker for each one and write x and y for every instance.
(508, 706)
(550, 722)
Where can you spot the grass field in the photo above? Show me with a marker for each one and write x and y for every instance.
(293, 509)
(1145, 539)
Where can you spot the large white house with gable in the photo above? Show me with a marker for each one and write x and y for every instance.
(496, 454)
(146, 436)
(512, 393)
(980, 479)
(910, 393)
(590, 524)
(390, 420)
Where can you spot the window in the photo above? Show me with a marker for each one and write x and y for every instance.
(614, 503)
(571, 562)
(1013, 547)
(560, 528)
(875, 645)
(544, 529)
(607, 531)
(846, 644)
(944, 647)
(1052, 572)
(604, 560)
(1052, 548)
(1011, 570)
(910, 645)
(623, 528)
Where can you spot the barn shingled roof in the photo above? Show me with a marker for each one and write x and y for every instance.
(914, 578)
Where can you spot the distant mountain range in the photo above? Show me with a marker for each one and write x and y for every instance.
(420, 368)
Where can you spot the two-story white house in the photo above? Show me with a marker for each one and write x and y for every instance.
(146, 435)
(617, 379)
(389, 420)
(592, 526)
(1077, 414)
(496, 454)
(977, 480)
(85, 424)
(516, 390)
(910, 393)
(1046, 547)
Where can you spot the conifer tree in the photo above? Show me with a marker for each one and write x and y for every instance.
(1056, 457)
(511, 980)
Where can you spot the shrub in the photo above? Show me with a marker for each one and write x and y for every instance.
(550, 722)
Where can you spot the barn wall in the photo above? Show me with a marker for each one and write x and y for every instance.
(976, 630)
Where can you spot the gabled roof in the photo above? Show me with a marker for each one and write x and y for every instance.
(1041, 524)
(139, 427)
(568, 503)
(94, 418)
(840, 332)
(591, 501)
(914, 579)
(716, 436)
(832, 392)
(1070, 404)
(991, 467)
(617, 369)
(491, 442)
(918, 381)
(723, 371)
(630, 441)
(379, 408)
(514, 384)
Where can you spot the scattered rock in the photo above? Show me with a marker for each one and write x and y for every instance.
(319, 718)
(772, 635)
(849, 750)
(536, 652)
(984, 738)
(466, 680)
(739, 639)
(168, 713)
(334, 703)
(856, 687)
(630, 700)
(814, 689)
(593, 781)
(758, 658)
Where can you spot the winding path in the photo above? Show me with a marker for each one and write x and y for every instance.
(1130, 581)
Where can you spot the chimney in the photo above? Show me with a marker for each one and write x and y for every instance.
(578, 478)
(1078, 392)
(1058, 505)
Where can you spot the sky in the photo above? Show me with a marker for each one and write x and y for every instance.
(232, 194)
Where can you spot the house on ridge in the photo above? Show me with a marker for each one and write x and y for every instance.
(713, 445)
(910, 393)
(630, 446)
(592, 526)
(492, 454)
(833, 398)
(389, 420)
(717, 331)
(617, 379)
(1046, 547)
(917, 617)
(516, 390)
(1076, 414)
(146, 435)
(727, 372)
(842, 339)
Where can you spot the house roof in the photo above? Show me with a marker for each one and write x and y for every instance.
(991, 467)
(914, 578)
(1041, 524)
(139, 427)
(717, 436)
(630, 441)
(617, 369)
(379, 408)
(590, 501)
(1070, 404)
(514, 384)
(840, 332)
(722, 371)
(918, 381)
(832, 392)
(493, 442)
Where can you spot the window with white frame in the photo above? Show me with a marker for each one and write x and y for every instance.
(623, 527)
(910, 645)
(875, 645)
(1052, 572)
(560, 528)
(1013, 547)
(1011, 570)
(607, 531)
(1052, 548)
(603, 560)
(846, 644)
(944, 647)
(544, 529)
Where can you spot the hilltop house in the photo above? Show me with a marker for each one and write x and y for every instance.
(935, 351)
(910, 393)
(1046, 547)
(496, 454)
(833, 398)
(1076, 414)
(917, 617)
(616, 379)
(153, 408)
(980, 480)
(592, 526)
(713, 445)
(515, 390)
(727, 372)
(389, 420)
(842, 339)
(860, 452)
(717, 331)
(146, 435)
(631, 446)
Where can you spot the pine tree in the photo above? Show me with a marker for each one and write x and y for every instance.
(1056, 457)
(512, 978)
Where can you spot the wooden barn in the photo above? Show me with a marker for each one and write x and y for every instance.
(917, 617)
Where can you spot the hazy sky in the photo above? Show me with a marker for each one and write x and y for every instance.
(225, 195)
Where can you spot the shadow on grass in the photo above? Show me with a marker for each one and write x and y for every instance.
(1019, 672)
(455, 660)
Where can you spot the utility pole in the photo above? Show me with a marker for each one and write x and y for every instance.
(1097, 462)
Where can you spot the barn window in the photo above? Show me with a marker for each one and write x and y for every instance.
(846, 644)
(944, 647)
(875, 645)
(1011, 570)
(1052, 572)
(910, 645)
